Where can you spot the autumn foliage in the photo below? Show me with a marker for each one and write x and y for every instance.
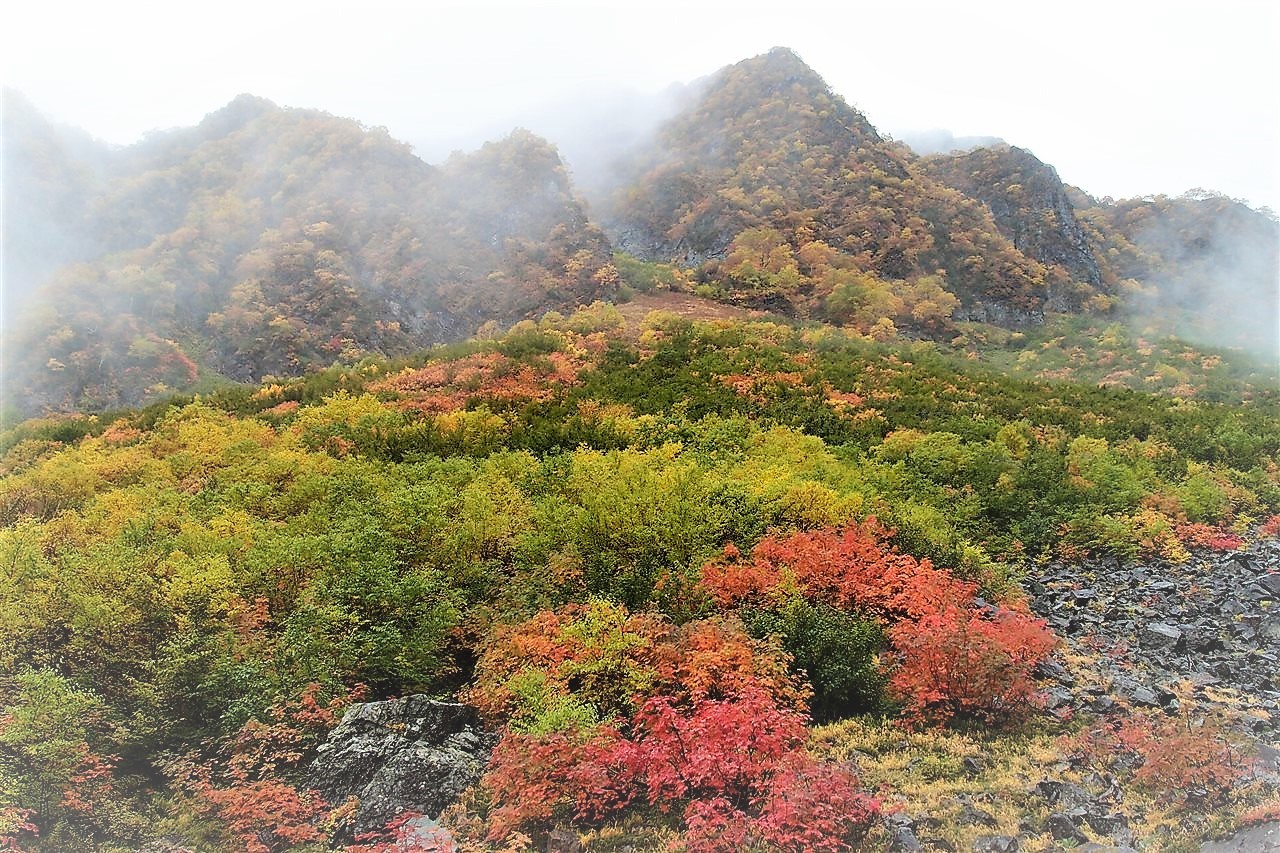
(1178, 760)
(854, 569)
(247, 789)
(968, 662)
(699, 721)
(1206, 536)
(951, 655)
(734, 769)
(609, 661)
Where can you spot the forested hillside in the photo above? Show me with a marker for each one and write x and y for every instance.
(792, 195)
(267, 241)
(614, 542)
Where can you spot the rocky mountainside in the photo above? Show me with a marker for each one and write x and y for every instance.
(784, 196)
(1029, 202)
(770, 146)
(269, 241)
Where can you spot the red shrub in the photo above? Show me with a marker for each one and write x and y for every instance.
(736, 767)
(536, 777)
(1174, 759)
(265, 815)
(719, 748)
(853, 570)
(262, 815)
(716, 659)
(808, 806)
(245, 789)
(1179, 761)
(90, 784)
(1205, 536)
(14, 823)
(1271, 527)
(1267, 811)
(963, 662)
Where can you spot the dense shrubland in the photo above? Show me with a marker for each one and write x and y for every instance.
(617, 548)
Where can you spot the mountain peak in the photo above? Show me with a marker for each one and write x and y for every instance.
(775, 72)
(240, 111)
(785, 57)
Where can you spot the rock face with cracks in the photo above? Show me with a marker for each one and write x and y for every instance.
(409, 754)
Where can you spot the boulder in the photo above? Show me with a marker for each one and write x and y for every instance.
(411, 754)
(1062, 828)
(1160, 636)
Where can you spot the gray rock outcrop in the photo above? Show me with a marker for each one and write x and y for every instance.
(410, 754)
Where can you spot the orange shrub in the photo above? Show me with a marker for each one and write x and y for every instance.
(853, 569)
(960, 662)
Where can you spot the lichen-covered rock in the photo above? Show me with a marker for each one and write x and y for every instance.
(410, 754)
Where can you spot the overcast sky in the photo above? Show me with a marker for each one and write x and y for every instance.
(1124, 98)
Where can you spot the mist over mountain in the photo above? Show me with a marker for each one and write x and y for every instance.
(1201, 265)
(595, 131)
(942, 141)
(268, 241)
(49, 173)
(706, 470)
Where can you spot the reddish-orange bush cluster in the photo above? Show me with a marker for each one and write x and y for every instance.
(966, 662)
(246, 791)
(444, 386)
(853, 569)
(1206, 536)
(1267, 811)
(1174, 759)
(15, 823)
(700, 720)
(950, 656)
(754, 385)
(735, 769)
(90, 784)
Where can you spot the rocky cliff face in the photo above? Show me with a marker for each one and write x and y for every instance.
(411, 754)
(1029, 203)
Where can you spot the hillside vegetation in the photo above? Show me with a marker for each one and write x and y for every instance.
(735, 510)
(269, 241)
(604, 539)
